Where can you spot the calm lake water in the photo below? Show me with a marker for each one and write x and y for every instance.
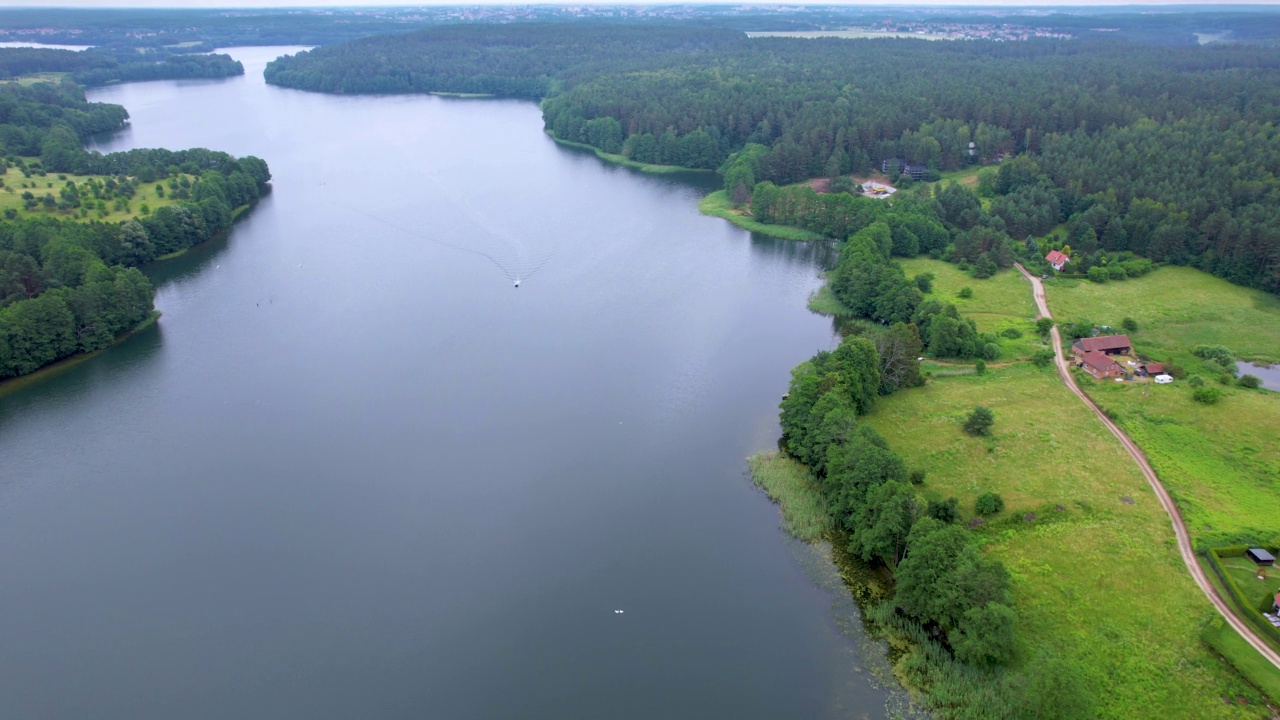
(354, 472)
(1268, 374)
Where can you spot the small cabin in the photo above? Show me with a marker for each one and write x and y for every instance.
(1057, 259)
(1260, 557)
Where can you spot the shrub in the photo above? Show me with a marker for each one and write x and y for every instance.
(980, 367)
(989, 503)
(1044, 325)
(980, 421)
(917, 477)
(1129, 324)
(947, 511)
(1097, 274)
(1175, 371)
(1215, 353)
(1043, 358)
(1012, 333)
(924, 282)
(1196, 381)
(1206, 395)
(1249, 381)
(991, 351)
(1116, 272)
(965, 293)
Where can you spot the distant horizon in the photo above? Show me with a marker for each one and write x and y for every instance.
(371, 4)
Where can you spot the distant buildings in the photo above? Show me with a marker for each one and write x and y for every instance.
(915, 172)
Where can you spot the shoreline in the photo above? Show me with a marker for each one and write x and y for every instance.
(625, 162)
(717, 205)
(57, 366)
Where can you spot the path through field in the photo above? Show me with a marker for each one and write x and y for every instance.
(1179, 527)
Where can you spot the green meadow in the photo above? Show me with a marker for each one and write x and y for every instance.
(997, 303)
(15, 184)
(1176, 309)
(1096, 574)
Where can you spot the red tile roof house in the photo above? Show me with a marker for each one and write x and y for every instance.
(1057, 260)
(1100, 365)
(1109, 344)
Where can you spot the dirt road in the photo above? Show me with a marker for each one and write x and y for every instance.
(1179, 527)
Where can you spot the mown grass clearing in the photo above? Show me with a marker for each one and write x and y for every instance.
(1097, 577)
(16, 184)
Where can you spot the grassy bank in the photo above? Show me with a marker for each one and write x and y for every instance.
(793, 487)
(1096, 576)
(718, 204)
(626, 162)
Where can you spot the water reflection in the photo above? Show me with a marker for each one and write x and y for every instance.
(1268, 374)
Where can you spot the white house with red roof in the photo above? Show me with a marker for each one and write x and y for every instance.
(1057, 260)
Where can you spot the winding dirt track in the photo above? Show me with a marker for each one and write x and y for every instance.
(1179, 527)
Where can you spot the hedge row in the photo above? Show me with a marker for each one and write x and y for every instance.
(1214, 556)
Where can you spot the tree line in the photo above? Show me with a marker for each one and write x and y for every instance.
(101, 66)
(1177, 143)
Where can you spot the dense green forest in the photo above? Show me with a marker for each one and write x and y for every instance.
(1176, 144)
(68, 285)
(99, 67)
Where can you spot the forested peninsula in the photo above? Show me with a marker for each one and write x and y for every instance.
(77, 224)
(102, 66)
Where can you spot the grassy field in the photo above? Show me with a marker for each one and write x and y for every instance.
(1096, 574)
(1176, 308)
(717, 204)
(54, 182)
(1228, 643)
(1220, 462)
(999, 302)
(32, 79)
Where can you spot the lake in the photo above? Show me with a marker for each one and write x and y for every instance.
(355, 472)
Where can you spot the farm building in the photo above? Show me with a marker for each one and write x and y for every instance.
(1100, 365)
(1261, 557)
(1057, 260)
(915, 172)
(1108, 344)
(1151, 369)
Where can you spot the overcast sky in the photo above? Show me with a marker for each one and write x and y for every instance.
(412, 3)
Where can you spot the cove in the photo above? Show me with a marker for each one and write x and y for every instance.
(353, 472)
